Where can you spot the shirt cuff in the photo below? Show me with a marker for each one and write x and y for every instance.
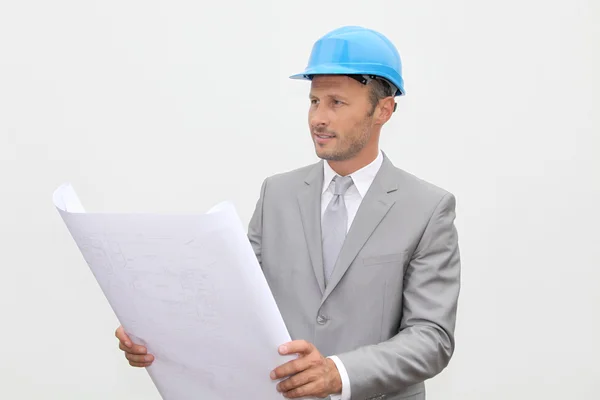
(345, 395)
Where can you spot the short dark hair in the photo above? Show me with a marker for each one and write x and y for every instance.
(379, 89)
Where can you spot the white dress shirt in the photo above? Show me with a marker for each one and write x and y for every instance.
(362, 179)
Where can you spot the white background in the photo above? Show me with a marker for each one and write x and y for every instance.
(173, 106)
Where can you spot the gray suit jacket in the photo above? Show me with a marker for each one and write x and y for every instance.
(389, 309)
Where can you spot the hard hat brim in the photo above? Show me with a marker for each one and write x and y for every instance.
(337, 69)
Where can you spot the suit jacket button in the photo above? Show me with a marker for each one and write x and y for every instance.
(321, 320)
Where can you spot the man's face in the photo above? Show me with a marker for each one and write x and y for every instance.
(340, 117)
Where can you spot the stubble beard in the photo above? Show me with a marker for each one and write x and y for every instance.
(348, 147)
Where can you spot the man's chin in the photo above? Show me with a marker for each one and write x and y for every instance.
(322, 153)
(328, 155)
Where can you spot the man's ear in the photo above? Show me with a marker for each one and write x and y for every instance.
(386, 107)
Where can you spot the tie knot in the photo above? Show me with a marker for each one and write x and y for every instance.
(341, 184)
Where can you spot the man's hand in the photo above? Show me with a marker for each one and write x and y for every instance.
(137, 355)
(310, 374)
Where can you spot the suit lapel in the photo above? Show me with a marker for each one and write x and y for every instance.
(375, 205)
(309, 201)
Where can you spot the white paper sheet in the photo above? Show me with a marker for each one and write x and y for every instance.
(190, 289)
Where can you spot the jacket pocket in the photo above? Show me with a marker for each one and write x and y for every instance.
(384, 259)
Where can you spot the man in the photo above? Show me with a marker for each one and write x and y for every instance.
(362, 258)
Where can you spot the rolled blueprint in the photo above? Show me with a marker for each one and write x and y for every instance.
(190, 289)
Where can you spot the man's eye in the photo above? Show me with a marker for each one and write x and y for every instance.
(337, 102)
(313, 102)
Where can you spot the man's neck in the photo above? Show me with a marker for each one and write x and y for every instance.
(347, 167)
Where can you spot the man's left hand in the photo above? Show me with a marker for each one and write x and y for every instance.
(310, 374)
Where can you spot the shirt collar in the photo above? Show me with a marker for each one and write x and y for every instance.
(363, 178)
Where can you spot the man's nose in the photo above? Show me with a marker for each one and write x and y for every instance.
(318, 117)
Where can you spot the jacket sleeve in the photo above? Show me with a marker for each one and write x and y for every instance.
(256, 223)
(425, 341)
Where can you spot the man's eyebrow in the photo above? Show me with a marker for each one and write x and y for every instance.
(329, 95)
(338, 96)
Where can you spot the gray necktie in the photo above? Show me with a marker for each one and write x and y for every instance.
(334, 225)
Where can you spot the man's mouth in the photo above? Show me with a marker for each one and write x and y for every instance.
(324, 135)
(323, 138)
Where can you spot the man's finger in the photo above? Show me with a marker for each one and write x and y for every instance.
(296, 381)
(296, 347)
(291, 367)
(148, 358)
(122, 336)
(311, 389)
(135, 349)
(141, 365)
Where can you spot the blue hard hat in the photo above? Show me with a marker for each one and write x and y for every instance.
(355, 51)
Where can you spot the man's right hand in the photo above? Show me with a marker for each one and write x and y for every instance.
(137, 355)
